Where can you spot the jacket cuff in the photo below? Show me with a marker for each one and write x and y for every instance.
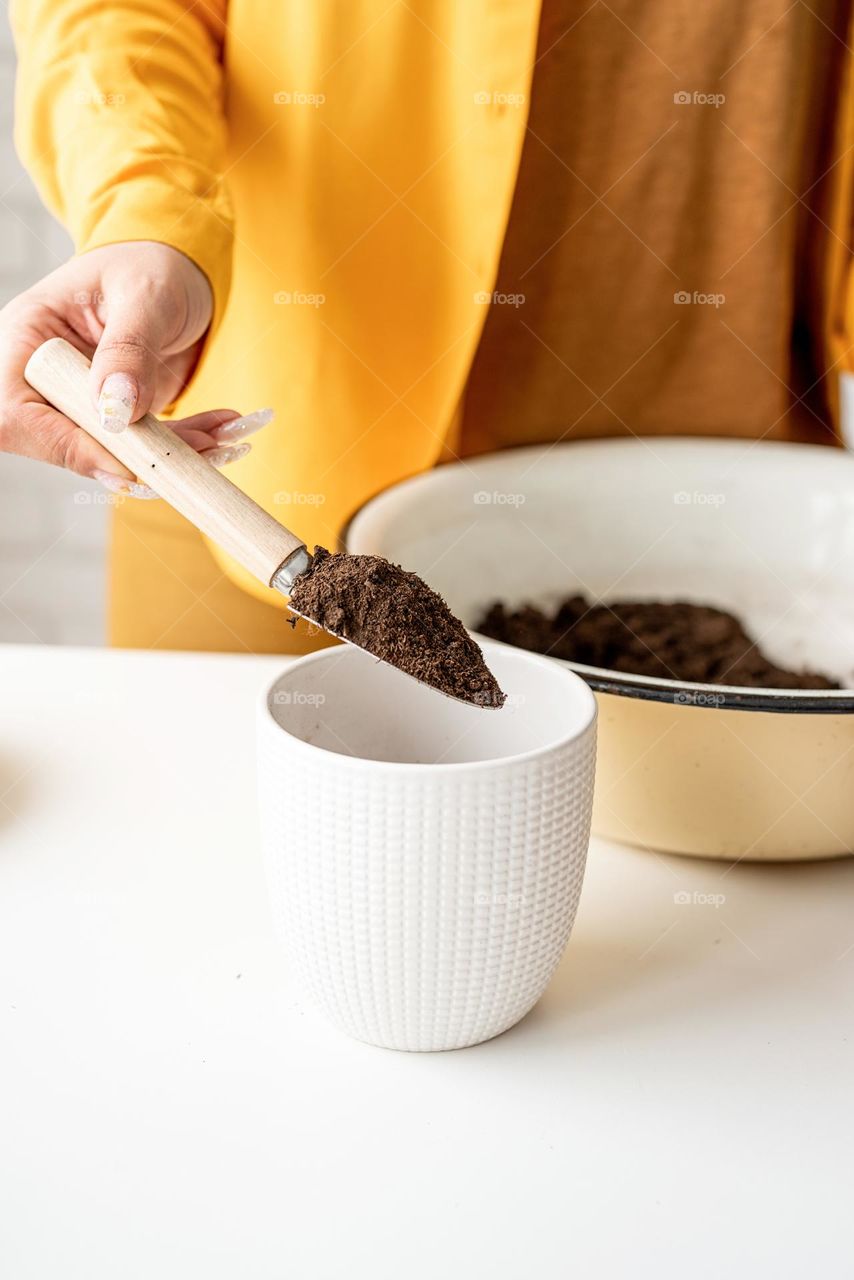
(153, 209)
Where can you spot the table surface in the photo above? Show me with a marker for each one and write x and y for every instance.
(678, 1104)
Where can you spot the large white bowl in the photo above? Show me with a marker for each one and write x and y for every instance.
(765, 530)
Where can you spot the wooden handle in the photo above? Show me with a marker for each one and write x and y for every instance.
(154, 453)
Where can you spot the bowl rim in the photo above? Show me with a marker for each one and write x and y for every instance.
(707, 697)
(268, 724)
(714, 697)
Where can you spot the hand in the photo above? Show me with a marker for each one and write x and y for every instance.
(139, 311)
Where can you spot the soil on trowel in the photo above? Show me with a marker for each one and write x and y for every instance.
(677, 641)
(395, 616)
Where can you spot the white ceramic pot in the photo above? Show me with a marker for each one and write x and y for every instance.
(424, 858)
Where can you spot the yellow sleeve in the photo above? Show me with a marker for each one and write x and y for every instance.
(120, 121)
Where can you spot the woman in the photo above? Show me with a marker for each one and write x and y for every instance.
(420, 230)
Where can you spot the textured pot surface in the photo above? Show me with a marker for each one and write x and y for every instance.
(426, 898)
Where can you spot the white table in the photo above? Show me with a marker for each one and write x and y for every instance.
(678, 1105)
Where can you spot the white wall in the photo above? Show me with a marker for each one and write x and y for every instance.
(52, 524)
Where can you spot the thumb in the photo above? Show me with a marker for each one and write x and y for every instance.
(125, 366)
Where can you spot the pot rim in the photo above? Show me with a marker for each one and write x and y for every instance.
(569, 739)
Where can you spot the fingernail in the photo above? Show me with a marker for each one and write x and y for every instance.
(222, 457)
(127, 488)
(239, 428)
(116, 401)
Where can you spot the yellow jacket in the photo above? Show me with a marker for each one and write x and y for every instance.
(347, 217)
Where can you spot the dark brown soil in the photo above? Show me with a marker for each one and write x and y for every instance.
(397, 617)
(671, 641)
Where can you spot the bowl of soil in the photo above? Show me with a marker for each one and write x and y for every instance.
(703, 588)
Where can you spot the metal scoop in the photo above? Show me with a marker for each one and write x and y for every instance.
(179, 475)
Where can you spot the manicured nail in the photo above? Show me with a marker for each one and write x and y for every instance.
(127, 488)
(239, 428)
(116, 402)
(230, 453)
